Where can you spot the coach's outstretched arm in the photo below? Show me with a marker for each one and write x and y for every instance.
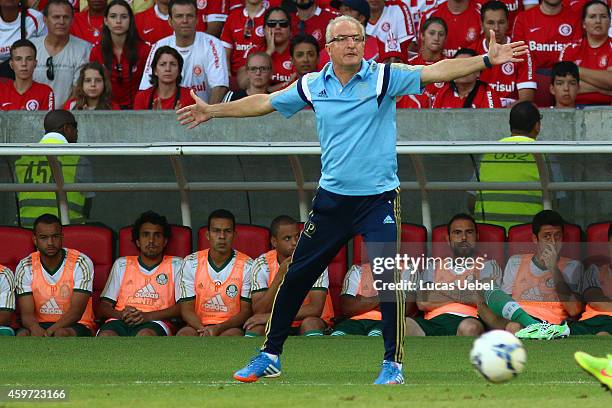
(254, 105)
(449, 69)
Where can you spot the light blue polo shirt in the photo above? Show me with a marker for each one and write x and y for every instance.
(355, 123)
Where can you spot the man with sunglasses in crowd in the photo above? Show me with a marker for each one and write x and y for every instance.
(354, 105)
(60, 55)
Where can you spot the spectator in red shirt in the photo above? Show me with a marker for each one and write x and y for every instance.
(432, 38)
(311, 19)
(152, 24)
(278, 32)
(547, 29)
(513, 81)
(166, 91)
(514, 7)
(593, 55)
(360, 11)
(463, 20)
(467, 91)
(259, 75)
(391, 24)
(243, 30)
(212, 15)
(23, 93)
(122, 52)
(87, 24)
(304, 49)
(92, 90)
(565, 83)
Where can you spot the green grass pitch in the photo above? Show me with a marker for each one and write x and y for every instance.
(184, 372)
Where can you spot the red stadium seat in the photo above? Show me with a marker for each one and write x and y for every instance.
(543, 98)
(414, 238)
(178, 245)
(491, 238)
(250, 239)
(16, 245)
(97, 243)
(597, 238)
(520, 242)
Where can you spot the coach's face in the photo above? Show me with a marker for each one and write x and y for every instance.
(221, 235)
(48, 239)
(347, 44)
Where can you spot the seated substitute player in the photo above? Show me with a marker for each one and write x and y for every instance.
(359, 303)
(596, 291)
(452, 312)
(544, 283)
(494, 307)
(564, 85)
(138, 299)
(24, 93)
(214, 287)
(269, 270)
(53, 286)
(7, 300)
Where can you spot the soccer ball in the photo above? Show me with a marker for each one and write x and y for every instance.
(498, 356)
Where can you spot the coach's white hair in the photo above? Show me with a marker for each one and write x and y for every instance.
(338, 20)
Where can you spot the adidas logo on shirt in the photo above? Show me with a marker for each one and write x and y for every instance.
(532, 294)
(215, 304)
(322, 94)
(51, 307)
(147, 292)
(388, 220)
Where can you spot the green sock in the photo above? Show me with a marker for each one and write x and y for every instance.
(505, 306)
(310, 333)
(250, 334)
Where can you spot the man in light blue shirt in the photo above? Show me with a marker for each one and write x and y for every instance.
(354, 105)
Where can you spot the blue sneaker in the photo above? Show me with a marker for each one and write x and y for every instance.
(260, 366)
(390, 373)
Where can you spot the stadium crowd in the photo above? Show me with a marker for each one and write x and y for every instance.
(92, 54)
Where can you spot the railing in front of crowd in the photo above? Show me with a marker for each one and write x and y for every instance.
(418, 153)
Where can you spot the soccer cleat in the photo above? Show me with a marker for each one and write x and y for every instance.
(543, 331)
(390, 373)
(260, 366)
(600, 368)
